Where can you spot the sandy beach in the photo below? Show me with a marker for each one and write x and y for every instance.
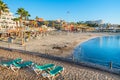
(59, 44)
(55, 43)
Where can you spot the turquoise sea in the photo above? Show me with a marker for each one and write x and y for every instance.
(101, 50)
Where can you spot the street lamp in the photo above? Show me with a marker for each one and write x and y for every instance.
(68, 21)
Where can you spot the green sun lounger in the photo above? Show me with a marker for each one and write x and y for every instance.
(39, 68)
(16, 66)
(52, 73)
(56, 70)
(8, 63)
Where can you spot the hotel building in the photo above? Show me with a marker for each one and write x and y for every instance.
(6, 21)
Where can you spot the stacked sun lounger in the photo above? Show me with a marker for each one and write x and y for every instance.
(47, 70)
(50, 70)
(16, 66)
(39, 68)
(53, 72)
(8, 63)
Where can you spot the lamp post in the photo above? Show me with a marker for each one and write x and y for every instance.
(68, 21)
(68, 12)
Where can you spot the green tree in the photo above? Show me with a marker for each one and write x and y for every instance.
(3, 7)
(16, 20)
(35, 24)
(21, 12)
(92, 25)
(119, 26)
(36, 18)
(23, 16)
(46, 23)
(53, 24)
(26, 15)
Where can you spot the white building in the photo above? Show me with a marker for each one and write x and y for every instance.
(95, 22)
(6, 21)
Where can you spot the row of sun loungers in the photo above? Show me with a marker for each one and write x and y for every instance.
(46, 70)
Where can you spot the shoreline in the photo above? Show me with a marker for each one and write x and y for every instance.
(57, 44)
(72, 71)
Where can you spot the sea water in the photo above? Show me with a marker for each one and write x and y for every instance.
(101, 50)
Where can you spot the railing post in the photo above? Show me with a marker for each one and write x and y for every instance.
(111, 65)
(72, 58)
(25, 47)
(8, 45)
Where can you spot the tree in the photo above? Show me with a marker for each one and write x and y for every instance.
(20, 12)
(35, 24)
(53, 24)
(26, 15)
(3, 7)
(23, 15)
(108, 26)
(46, 23)
(80, 22)
(92, 25)
(118, 25)
(36, 18)
(16, 20)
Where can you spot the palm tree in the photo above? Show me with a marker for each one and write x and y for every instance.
(3, 7)
(16, 20)
(35, 23)
(23, 15)
(36, 18)
(26, 15)
(21, 12)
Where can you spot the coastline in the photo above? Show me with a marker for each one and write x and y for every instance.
(58, 44)
(71, 72)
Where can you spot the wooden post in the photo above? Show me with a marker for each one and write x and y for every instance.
(8, 45)
(25, 47)
(72, 57)
(111, 65)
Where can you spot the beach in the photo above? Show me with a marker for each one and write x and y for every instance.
(55, 43)
(59, 44)
(71, 71)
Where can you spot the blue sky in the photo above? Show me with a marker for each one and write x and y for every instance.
(79, 10)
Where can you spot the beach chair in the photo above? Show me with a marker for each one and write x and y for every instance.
(39, 68)
(16, 66)
(8, 63)
(53, 73)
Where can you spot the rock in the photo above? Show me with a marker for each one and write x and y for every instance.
(59, 46)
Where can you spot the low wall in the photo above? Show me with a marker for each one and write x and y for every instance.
(68, 60)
